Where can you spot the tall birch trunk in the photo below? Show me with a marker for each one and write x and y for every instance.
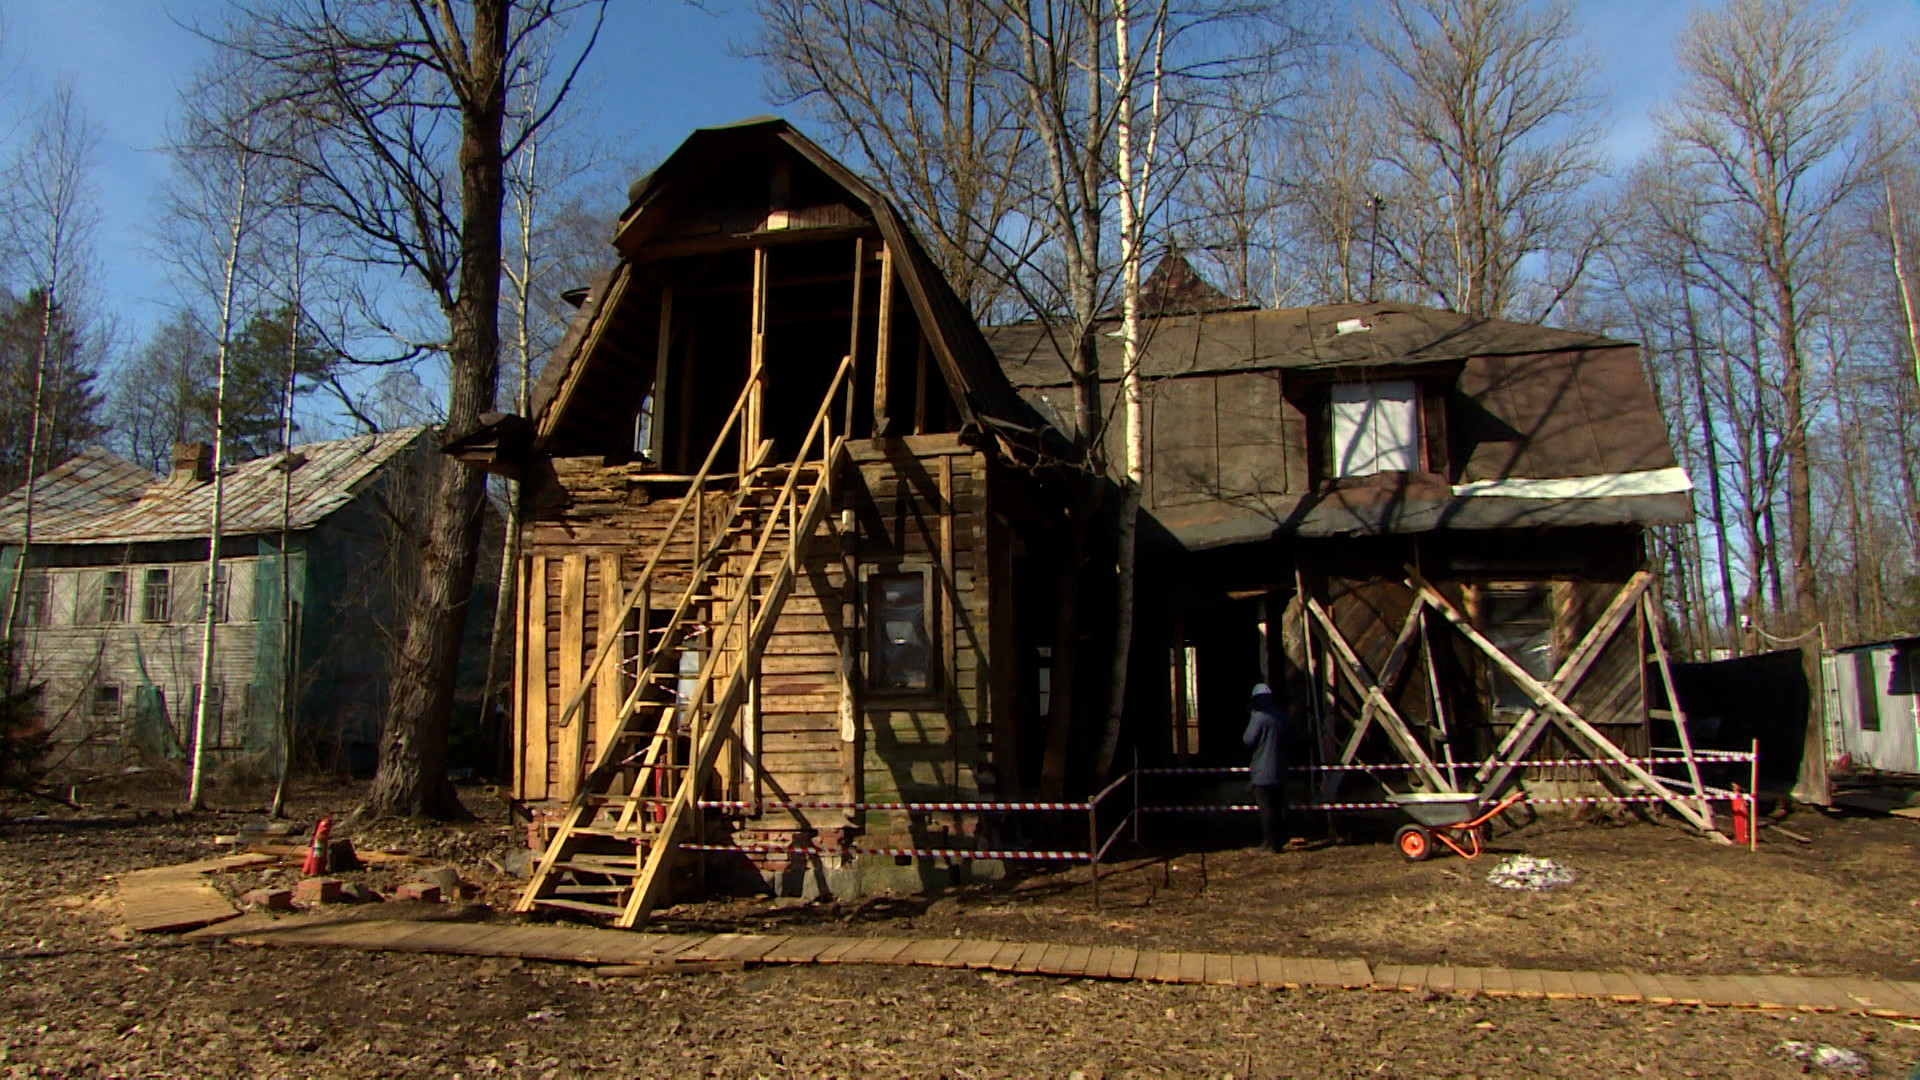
(236, 226)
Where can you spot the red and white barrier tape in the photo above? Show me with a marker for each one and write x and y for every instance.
(924, 853)
(1700, 756)
(924, 807)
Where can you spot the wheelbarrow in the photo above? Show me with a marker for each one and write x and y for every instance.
(1442, 816)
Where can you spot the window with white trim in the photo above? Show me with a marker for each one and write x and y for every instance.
(1376, 428)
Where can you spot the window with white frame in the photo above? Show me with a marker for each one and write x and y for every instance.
(1376, 428)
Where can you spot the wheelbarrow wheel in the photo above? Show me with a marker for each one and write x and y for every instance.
(1415, 843)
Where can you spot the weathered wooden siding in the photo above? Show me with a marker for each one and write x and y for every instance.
(75, 652)
(912, 504)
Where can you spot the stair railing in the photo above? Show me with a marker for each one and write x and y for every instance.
(706, 731)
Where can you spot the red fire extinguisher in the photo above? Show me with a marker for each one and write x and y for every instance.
(1742, 817)
(316, 863)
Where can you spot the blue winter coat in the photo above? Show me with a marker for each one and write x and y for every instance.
(1266, 736)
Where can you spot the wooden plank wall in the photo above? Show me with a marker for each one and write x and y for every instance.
(915, 504)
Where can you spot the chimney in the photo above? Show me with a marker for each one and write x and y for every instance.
(192, 464)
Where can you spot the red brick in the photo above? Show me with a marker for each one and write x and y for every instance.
(318, 891)
(270, 899)
(418, 890)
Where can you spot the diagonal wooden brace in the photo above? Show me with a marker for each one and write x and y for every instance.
(1374, 695)
(1519, 741)
(1575, 725)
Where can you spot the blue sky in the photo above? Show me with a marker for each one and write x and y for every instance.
(663, 67)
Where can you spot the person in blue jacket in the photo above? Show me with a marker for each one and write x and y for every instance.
(1266, 736)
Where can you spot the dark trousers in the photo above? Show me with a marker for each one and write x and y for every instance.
(1273, 815)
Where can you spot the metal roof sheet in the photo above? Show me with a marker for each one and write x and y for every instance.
(100, 498)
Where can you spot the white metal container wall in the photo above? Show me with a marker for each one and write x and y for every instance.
(1895, 747)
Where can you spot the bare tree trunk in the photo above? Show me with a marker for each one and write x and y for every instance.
(210, 613)
(289, 654)
(1712, 439)
(412, 780)
(33, 456)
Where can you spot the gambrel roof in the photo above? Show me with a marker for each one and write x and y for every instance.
(674, 209)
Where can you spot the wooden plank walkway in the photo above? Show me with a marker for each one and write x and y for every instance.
(1873, 997)
(166, 899)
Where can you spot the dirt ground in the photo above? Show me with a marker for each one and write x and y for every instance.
(78, 999)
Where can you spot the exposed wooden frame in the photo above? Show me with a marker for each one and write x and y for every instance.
(656, 432)
(1650, 612)
(1576, 726)
(1520, 739)
(534, 744)
(853, 330)
(883, 343)
(1373, 696)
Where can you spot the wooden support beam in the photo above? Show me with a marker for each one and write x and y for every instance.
(1375, 699)
(656, 432)
(1575, 724)
(756, 353)
(949, 600)
(853, 331)
(607, 691)
(521, 681)
(1650, 611)
(883, 343)
(573, 628)
(534, 745)
(1374, 695)
(1519, 740)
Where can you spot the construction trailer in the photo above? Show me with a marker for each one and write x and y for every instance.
(772, 548)
(1425, 529)
(111, 611)
(1872, 709)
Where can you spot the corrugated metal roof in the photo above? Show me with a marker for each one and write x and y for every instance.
(100, 498)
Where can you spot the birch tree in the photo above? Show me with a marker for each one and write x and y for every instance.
(51, 228)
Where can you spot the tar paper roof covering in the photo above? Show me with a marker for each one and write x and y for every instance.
(1303, 339)
(100, 498)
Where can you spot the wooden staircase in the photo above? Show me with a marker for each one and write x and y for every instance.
(613, 850)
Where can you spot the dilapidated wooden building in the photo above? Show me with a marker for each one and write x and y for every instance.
(1411, 522)
(111, 610)
(772, 543)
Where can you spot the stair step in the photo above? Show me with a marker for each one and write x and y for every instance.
(589, 890)
(609, 869)
(598, 862)
(636, 836)
(578, 905)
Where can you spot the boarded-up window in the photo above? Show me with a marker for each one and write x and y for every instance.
(1376, 428)
(113, 596)
(900, 651)
(1866, 689)
(157, 595)
(1519, 619)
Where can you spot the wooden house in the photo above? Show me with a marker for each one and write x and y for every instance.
(1425, 529)
(772, 545)
(110, 616)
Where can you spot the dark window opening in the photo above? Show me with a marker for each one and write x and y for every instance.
(157, 596)
(106, 702)
(900, 649)
(113, 597)
(1866, 689)
(1519, 620)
